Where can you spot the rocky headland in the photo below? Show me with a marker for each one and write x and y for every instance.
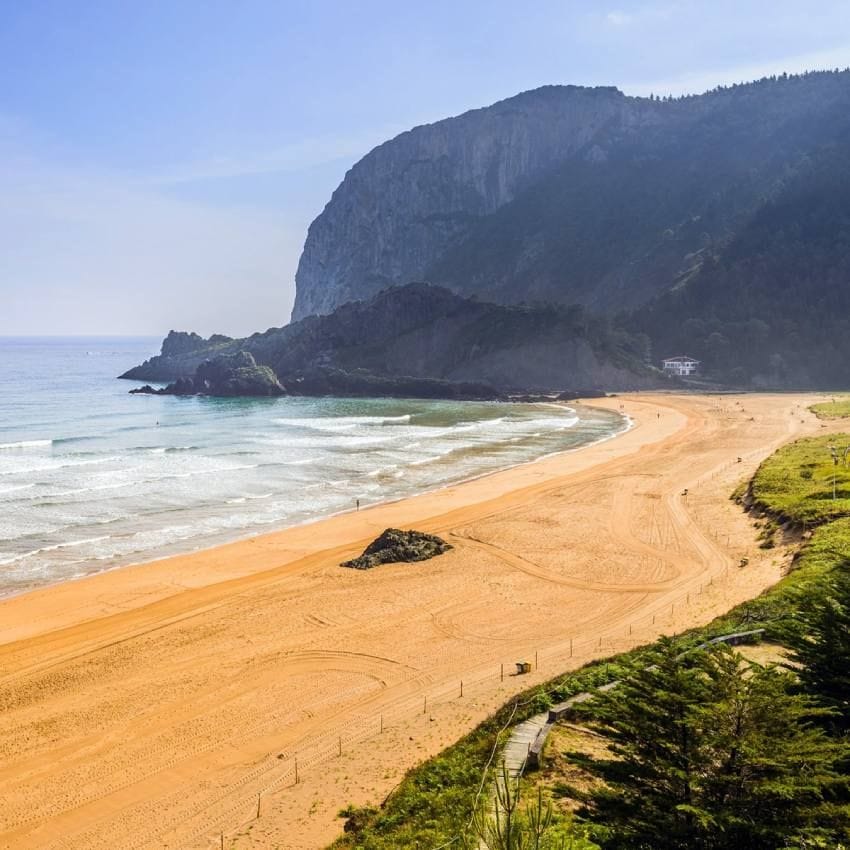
(422, 341)
(225, 375)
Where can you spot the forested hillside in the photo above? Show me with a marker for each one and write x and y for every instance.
(716, 224)
(773, 306)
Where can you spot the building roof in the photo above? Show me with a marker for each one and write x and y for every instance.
(680, 358)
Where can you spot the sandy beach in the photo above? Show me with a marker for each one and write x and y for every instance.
(160, 705)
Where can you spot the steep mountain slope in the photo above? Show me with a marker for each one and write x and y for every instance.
(772, 307)
(405, 203)
(427, 333)
(570, 195)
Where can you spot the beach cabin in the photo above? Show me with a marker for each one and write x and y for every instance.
(681, 365)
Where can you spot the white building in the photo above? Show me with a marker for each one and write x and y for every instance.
(681, 366)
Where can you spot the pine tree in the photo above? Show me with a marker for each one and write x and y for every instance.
(711, 752)
(767, 774)
(649, 798)
(820, 640)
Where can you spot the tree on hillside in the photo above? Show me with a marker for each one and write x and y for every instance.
(820, 640)
(710, 752)
(767, 775)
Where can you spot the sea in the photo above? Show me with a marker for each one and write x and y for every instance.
(92, 478)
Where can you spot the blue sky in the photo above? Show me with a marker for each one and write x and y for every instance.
(160, 161)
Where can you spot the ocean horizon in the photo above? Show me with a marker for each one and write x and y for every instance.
(93, 478)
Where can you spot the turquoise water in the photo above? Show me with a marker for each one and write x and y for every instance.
(92, 478)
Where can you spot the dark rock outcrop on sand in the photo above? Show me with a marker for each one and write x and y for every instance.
(396, 546)
(226, 375)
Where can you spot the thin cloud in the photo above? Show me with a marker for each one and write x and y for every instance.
(645, 14)
(704, 80)
(618, 19)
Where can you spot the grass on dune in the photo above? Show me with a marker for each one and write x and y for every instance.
(796, 483)
(839, 408)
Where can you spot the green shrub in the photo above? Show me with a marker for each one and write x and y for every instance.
(838, 409)
(796, 483)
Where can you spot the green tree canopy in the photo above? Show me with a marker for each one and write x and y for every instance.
(820, 640)
(711, 752)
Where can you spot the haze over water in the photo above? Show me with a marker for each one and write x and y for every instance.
(92, 477)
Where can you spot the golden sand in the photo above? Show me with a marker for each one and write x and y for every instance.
(149, 707)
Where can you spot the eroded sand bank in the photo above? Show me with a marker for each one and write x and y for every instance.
(148, 707)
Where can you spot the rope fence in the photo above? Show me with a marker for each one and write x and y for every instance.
(286, 769)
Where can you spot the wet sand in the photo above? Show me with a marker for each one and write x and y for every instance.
(149, 707)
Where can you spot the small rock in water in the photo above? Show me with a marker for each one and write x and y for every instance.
(394, 546)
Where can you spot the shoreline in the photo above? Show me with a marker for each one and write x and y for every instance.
(272, 539)
(627, 425)
(264, 651)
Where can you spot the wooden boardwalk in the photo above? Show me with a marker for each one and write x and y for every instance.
(517, 749)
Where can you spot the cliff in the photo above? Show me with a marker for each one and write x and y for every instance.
(568, 194)
(405, 203)
(715, 224)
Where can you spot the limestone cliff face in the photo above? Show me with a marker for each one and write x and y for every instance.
(583, 196)
(406, 202)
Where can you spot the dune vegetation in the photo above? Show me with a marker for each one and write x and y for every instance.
(806, 482)
(838, 408)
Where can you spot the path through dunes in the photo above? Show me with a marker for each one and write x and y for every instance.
(149, 707)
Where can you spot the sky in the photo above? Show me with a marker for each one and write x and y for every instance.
(160, 162)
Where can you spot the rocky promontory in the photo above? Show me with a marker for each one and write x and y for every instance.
(180, 355)
(226, 375)
(422, 341)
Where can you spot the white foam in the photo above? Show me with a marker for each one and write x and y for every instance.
(34, 463)
(341, 423)
(431, 459)
(382, 470)
(42, 549)
(16, 488)
(27, 444)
